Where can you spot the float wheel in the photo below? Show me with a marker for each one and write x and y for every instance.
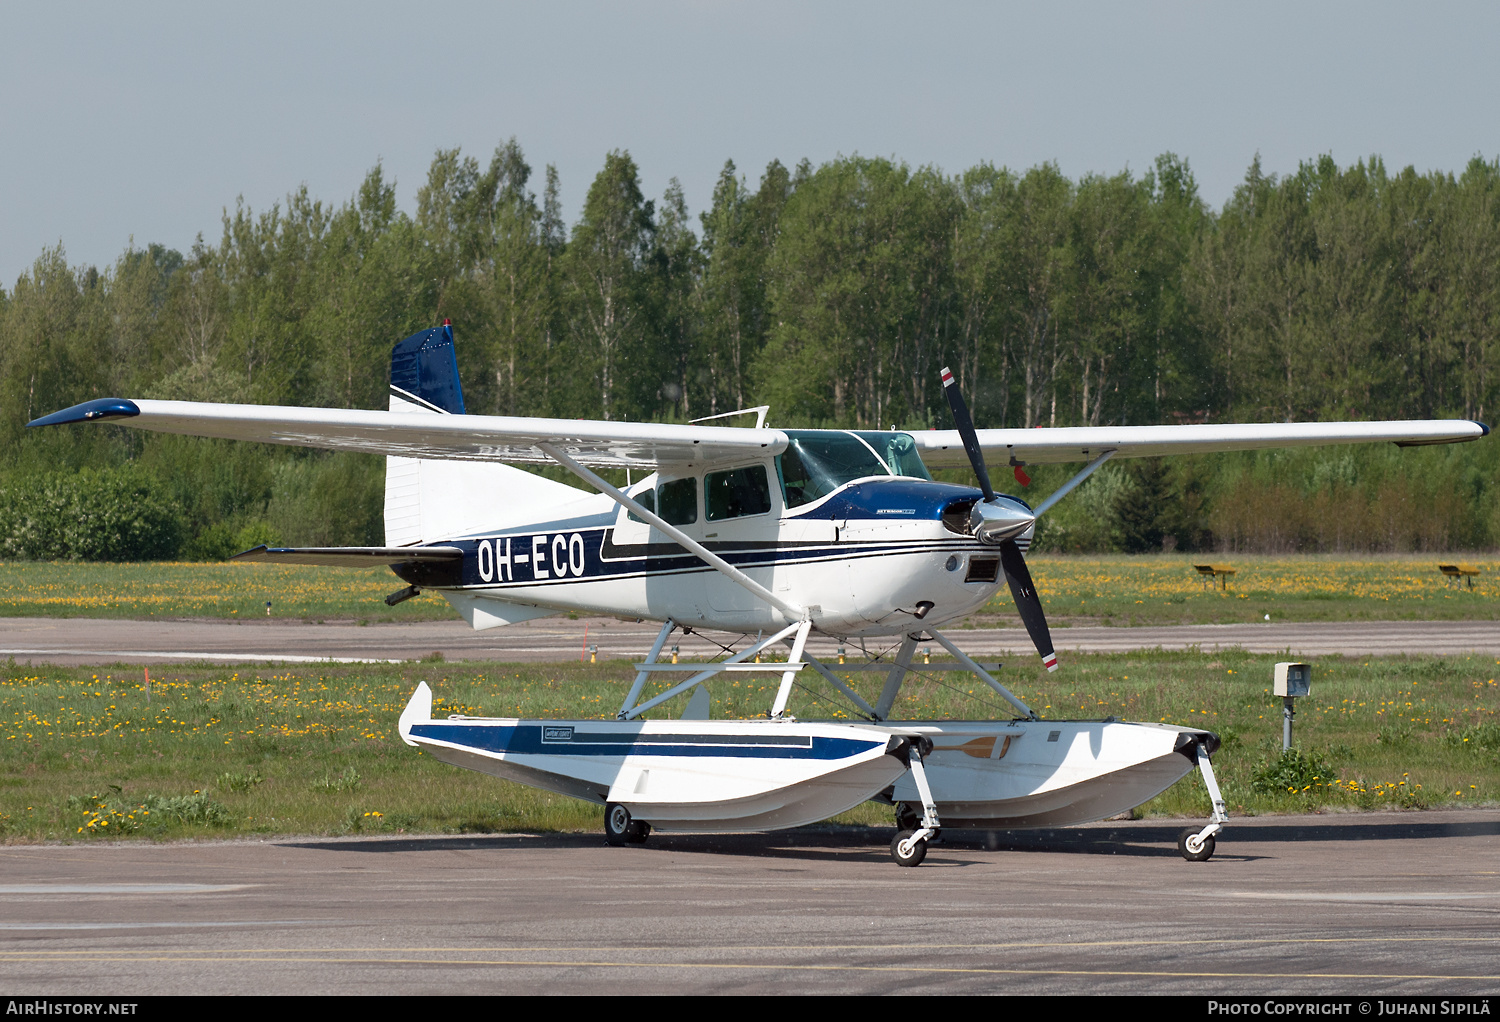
(1193, 848)
(913, 857)
(619, 828)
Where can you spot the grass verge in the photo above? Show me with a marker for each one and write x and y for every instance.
(216, 752)
(224, 590)
(1165, 589)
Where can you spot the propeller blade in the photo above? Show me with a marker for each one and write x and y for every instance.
(1023, 591)
(1006, 522)
(966, 430)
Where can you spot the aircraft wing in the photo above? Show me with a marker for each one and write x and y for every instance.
(646, 445)
(942, 448)
(448, 437)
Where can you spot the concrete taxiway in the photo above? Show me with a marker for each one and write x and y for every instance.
(1342, 904)
(104, 641)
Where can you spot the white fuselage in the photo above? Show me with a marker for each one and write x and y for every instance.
(860, 559)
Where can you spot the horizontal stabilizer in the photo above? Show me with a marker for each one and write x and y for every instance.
(354, 556)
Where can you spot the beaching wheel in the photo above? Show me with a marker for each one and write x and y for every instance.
(1193, 848)
(916, 853)
(620, 828)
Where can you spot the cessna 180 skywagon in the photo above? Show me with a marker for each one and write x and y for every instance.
(771, 532)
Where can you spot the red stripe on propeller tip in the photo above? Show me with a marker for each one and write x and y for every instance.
(1050, 662)
(947, 377)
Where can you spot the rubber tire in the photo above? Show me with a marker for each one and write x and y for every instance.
(1203, 854)
(639, 832)
(908, 816)
(918, 853)
(619, 828)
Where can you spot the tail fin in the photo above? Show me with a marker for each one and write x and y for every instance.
(424, 372)
(426, 500)
(418, 711)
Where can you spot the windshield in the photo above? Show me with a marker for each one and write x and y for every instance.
(899, 451)
(817, 462)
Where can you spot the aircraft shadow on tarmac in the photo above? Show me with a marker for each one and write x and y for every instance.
(855, 844)
(841, 844)
(850, 844)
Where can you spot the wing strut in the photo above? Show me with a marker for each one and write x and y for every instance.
(1067, 487)
(682, 539)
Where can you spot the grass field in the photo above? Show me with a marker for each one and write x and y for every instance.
(227, 590)
(215, 752)
(1165, 589)
(1146, 590)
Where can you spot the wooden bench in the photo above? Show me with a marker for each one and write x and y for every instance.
(1459, 573)
(1210, 572)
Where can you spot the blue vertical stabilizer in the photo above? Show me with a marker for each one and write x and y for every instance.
(424, 369)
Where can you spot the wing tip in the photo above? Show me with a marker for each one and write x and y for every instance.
(97, 410)
(1484, 431)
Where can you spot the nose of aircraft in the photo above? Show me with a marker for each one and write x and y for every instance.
(994, 522)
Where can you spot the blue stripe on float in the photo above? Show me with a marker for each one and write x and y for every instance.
(526, 739)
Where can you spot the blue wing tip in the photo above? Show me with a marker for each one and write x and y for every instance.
(91, 411)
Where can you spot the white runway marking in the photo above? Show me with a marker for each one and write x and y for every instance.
(1339, 896)
(49, 889)
(235, 924)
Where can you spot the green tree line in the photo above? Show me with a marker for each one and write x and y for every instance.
(832, 293)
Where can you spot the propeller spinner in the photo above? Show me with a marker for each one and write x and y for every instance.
(998, 524)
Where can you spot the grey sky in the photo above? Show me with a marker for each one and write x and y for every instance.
(120, 121)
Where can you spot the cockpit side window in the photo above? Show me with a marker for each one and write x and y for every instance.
(647, 499)
(677, 501)
(737, 493)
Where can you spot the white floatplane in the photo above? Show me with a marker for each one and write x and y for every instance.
(776, 532)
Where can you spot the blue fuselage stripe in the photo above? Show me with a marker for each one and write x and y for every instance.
(590, 554)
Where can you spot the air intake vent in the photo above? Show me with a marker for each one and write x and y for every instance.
(983, 569)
